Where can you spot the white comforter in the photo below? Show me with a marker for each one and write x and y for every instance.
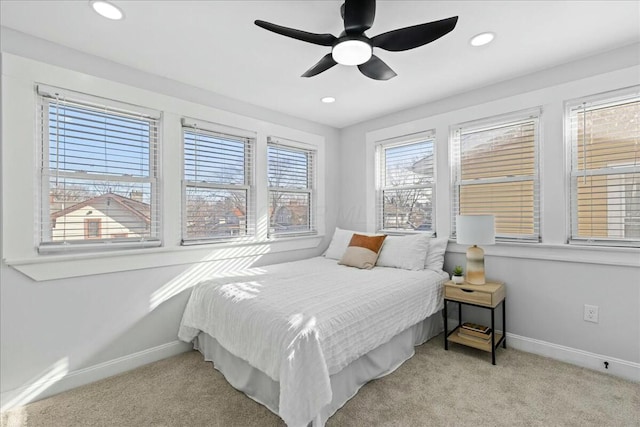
(302, 321)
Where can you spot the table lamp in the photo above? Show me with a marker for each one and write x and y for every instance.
(475, 230)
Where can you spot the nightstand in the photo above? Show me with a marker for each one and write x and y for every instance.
(489, 296)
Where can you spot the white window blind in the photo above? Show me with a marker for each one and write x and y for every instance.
(405, 191)
(99, 173)
(291, 176)
(604, 136)
(217, 187)
(495, 171)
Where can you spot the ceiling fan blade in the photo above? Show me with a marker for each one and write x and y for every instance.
(321, 39)
(376, 69)
(323, 65)
(358, 15)
(412, 37)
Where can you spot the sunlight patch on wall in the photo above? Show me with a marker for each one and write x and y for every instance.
(232, 262)
(52, 375)
(262, 225)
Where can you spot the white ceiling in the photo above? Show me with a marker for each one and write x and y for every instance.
(214, 45)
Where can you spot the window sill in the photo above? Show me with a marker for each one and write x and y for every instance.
(628, 257)
(51, 267)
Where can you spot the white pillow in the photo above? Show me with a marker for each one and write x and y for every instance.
(435, 256)
(340, 242)
(406, 252)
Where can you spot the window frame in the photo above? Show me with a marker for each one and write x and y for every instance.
(233, 134)
(596, 101)
(485, 124)
(380, 173)
(312, 186)
(49, 95)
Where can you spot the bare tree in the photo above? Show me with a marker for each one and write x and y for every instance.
(405, 193)
(284, 174)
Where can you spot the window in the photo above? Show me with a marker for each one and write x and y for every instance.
(217, 189)
(604, 136)
(92, 228)
(405, 199)
(291, 176)
(495, 171)
(98, 170)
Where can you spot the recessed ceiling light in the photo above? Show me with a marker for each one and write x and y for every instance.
(328, 99)
(107, 9)
(482, 39)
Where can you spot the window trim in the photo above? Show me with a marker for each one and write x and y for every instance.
(397, 141)
(45, 96)
(249, 186)
(495, 122)
(596, 101)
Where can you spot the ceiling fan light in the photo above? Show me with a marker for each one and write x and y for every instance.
(106, 9)
(328, 99)
(482, 39)
(351, 52)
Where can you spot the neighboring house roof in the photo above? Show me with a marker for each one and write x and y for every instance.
(140, 209)
(423, 166)
(296, 210)
(237, 212)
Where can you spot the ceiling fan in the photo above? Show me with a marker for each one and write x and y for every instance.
(353, 47)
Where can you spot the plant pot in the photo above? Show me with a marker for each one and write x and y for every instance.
(457, 279)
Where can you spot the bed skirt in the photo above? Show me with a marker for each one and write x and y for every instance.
(379, 362)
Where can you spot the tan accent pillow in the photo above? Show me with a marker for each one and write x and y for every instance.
(362, 251)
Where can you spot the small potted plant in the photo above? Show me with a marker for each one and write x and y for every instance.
(457, 276)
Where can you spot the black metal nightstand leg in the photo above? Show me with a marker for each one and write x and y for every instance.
(446, 330)
(504, 323)
(493, 337)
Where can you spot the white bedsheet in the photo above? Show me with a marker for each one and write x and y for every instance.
(302, 321)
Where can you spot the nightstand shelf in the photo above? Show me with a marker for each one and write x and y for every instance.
(454, 337)
(489, 296)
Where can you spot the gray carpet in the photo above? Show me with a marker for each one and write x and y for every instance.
(434, 388)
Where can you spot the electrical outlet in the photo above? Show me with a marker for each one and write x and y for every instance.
(591, 313)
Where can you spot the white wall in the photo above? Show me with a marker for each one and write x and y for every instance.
(548, 283)
(61, 333)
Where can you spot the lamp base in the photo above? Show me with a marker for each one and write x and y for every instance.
(475, 266)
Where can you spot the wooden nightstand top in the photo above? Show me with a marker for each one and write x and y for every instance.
(489, 295)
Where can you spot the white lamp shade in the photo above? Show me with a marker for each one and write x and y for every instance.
(475, 229)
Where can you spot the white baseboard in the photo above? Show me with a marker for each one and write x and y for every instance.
(12, 398)
(618, 367)
(22, 396)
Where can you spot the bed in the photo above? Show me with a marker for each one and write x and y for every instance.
(302, 337)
